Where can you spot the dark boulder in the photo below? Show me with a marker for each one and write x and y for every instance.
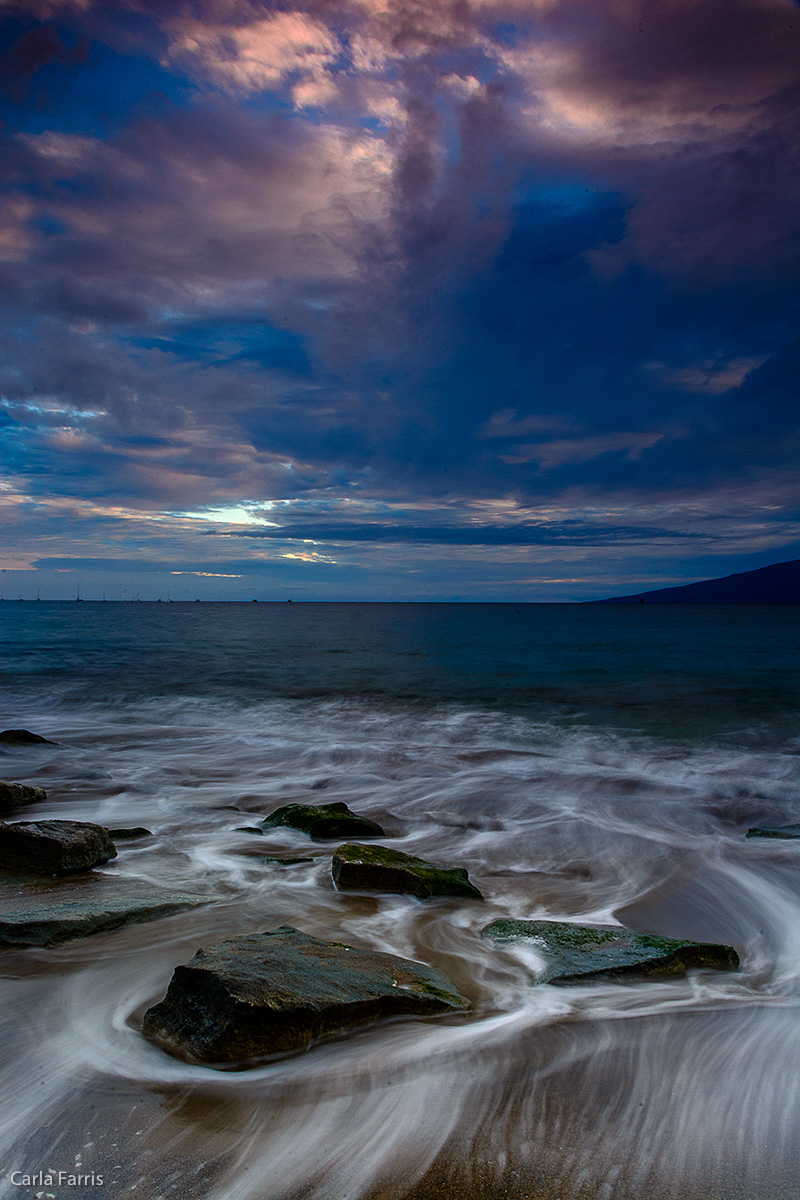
(48, 912)
(378, 869)
(24, 737)
(273, 992)
(775, 831)
(54, 847)
(129, 833)
(323, 822)
(581, 953)
(17, 795)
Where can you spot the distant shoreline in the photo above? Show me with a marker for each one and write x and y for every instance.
(621, 600)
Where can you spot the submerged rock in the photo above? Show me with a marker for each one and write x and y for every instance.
(323, 822)
(17, 795)
(24, 737)
(273, 992)
(378, 869)
(47, 912)
(292, 861)
(129, 832)
(54, 847)
(578, 953)
(775, 831)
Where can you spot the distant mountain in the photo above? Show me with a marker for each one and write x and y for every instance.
(778, 584)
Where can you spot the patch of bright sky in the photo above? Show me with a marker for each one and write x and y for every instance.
(44, 408)
(235, 514)
(310, 556)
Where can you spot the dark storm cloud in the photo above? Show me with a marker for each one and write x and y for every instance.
(532, 253)
(23, 57)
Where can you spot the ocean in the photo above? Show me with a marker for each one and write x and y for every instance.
(595, 764)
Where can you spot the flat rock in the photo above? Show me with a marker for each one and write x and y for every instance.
(581, 953)
(17, 795)
(128, 833)
(24, 737)
(47, 912)
(323, 822)
(378, 869)
(54, 847)
(775, 831)
(274, 992)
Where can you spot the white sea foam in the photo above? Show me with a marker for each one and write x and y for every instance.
(633, 1090)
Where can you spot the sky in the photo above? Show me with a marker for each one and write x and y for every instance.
(484, 300)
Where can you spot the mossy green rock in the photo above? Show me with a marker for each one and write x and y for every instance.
(129, 833)
(269, 993)
(775, 831)
(581, 953)
(323, 822)
(378, 869)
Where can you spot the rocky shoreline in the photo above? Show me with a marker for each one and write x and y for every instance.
(277, 991)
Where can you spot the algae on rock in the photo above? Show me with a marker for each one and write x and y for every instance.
(379, 869)
(774, 831)
(578, 953)
(323, 822)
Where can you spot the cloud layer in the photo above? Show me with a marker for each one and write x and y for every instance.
(497, 276)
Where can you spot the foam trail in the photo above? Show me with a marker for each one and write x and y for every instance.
(682, 1090)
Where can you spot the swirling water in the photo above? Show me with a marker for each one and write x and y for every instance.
(596, 764)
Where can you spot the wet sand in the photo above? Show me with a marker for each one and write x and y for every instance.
(676, 1090)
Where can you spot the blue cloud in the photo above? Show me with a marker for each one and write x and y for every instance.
(556, 534)
(500, 259)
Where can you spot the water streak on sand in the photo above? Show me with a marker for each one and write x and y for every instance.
(684, 1089)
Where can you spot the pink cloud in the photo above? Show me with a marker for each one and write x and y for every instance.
(254, 56)
(503, 424)
(710, 376)
(581, 450)
(201, 205)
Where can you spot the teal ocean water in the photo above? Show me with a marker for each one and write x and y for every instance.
(594, 764)
(698, 670)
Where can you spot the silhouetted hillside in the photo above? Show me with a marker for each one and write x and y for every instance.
(778, 584)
